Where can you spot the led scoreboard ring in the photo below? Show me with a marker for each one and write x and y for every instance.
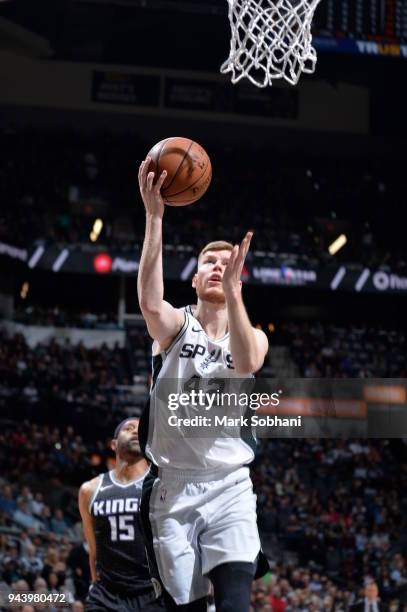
(373, 27)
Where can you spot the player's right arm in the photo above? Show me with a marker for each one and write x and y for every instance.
(86, 493)
(163, 320)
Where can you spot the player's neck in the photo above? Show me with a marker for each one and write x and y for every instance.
(126, 471)
(213, 318)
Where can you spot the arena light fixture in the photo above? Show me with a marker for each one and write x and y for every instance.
(337, 244)
(97, 228)
(24, 290)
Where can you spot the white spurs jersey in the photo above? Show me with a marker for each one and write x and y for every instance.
(193, 359)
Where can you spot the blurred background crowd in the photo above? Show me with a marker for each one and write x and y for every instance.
(300, 166)
(53, 182)
(332, 512)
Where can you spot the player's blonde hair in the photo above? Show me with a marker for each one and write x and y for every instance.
(217, 245)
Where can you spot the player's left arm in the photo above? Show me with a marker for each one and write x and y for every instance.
(248, 345)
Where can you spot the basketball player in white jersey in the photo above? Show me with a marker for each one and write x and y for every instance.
(198, 507)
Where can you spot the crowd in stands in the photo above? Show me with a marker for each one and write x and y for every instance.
(339, 507)
(334, 513)
(41, 544)
(92, 384)
(354, 351)
(56, 317)
(55, 183)
(63, 368)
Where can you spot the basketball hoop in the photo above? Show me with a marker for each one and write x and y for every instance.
(271, 39)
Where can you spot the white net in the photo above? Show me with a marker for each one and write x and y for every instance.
(271, 39)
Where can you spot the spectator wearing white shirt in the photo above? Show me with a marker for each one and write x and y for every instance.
(31, 563)
(37, 504)
(25, 543)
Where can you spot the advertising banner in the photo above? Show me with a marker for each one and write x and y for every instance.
(257, 271)
(120, 88)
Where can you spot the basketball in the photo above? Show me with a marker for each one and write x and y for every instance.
(189, 170)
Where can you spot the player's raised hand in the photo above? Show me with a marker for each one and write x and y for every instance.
(150, 192)
(233, 271)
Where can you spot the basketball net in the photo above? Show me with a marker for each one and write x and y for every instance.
(271, 39)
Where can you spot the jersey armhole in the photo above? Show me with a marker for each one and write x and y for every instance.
(181, 332)
(174, 340)
(92, 499)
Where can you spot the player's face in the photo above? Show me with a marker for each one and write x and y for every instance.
(127, 442)
(208, 280)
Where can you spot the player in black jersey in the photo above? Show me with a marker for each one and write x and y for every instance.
(109, 507)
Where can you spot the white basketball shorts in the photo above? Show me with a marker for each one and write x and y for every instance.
(198, 525)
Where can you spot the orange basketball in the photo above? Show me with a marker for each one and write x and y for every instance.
(189, 170)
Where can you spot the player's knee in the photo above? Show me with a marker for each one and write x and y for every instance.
(232, 571)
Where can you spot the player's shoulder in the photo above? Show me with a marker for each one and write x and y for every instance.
(186, 313)
(262, 339)
(260, 333)
(87, 488)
